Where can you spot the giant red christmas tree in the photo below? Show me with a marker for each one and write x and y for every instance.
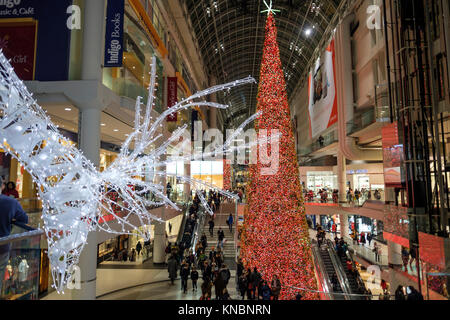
(275, 237)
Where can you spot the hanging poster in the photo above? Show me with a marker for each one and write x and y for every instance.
(322, 93)
(172, 96)
(114, 33)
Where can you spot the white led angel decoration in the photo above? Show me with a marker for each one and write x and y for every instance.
(73, 192)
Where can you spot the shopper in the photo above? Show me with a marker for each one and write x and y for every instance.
(172, 268)
(230, 222)
(211, 226)
(225, 274)
(220, 236)
(194, 278)
(10, 210)
(206, 289)
(184, 274)
(219, 285)
(10, 190)
(266, 293)
(376, 251)
(243, 284)
(138, 248)
(405, 258)
(255, 278)
(168, 189)
(399, 295)
(369, 238)
(276, 287)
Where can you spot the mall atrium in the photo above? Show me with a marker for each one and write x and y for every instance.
(229, 149)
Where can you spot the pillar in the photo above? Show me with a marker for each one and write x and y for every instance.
(342, 176)
(159, 242)
(89, 131)
(343, 219)
(394, 261)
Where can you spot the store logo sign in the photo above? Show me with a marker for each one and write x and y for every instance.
(10, 3)
(114, 34)
(374, 18)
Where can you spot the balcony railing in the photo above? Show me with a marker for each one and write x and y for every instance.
(20, 260)
(328, 139)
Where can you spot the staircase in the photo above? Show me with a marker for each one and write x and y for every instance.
(229, 251)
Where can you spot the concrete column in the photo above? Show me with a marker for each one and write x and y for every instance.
(89, 131)
(93, 39)
(187, 186)
(212, 118)
(343, 218)
(159, 242)
(394, 254)
(394, 261)
(342, 176)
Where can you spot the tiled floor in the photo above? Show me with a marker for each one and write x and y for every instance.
(166, 291)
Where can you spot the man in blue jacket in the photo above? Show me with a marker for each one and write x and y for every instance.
(10, 209)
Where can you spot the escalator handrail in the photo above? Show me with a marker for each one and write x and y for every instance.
(323, 274)
(341, 275)
(359, 280)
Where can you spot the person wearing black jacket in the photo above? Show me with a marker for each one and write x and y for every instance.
(184, 274)
(194, 278)
(207, 273)
(211, 227)
(243, 284)
(399, 295)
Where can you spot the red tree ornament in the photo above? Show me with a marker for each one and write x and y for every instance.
(275, 235)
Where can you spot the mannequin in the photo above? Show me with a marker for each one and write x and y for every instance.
(23, 270)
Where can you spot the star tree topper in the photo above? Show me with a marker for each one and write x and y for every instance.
(269, 8)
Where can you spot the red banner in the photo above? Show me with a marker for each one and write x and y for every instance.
(392, 155)
(18, 42)
(172, 96)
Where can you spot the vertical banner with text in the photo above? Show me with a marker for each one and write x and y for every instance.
(172, 96)
(114, 33)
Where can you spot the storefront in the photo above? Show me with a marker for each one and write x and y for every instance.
(366, 225)
(208, 171)
(317, 180)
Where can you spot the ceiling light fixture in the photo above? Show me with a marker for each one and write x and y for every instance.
(68, 109)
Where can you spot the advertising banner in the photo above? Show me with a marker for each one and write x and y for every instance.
(36, 37)
(172, 96)
(322, 93)
(18, 43)
(392, 156)
(114, 34)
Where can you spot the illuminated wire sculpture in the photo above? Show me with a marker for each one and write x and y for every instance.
(74, 193)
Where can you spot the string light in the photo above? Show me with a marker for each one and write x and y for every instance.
(76, 197)
(275, 236)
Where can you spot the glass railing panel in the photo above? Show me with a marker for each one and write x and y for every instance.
(20, 255)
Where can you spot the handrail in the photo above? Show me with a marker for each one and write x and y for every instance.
(359, 280)
(183, 225)
(342, 277)
(20, 236)
(326, 284)
(197, 230)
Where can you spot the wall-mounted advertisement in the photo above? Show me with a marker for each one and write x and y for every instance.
(172, 97)
(392, 156)
(18, 43)
(36, 37)
(322, 93)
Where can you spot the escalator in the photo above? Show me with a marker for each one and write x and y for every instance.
(353, 281)
(331, 282)
(332, 275)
